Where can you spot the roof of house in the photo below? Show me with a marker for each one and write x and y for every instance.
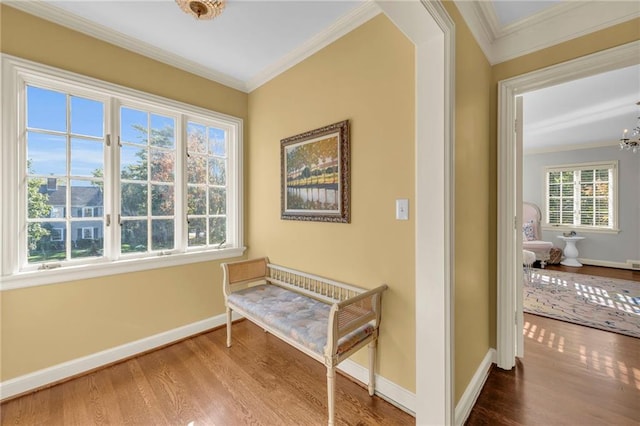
(81, 196)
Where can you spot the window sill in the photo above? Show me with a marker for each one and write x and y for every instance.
(580, 229)
(79, 272)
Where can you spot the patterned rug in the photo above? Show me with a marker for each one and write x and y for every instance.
(605, 303)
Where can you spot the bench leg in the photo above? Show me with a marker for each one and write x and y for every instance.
(228, 327)
(372, 369)
(331, 393)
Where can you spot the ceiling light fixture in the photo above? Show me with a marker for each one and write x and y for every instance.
(202, 9)
(627, 142)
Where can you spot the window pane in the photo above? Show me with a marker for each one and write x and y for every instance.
(86, 198)
(217, 145)
(162, 165)
(133, 236)
(196, 138)
(554, 204)
(217, 171)
(46, 154)
(567, 177)
(554, 177)
(197, 169)
(586, 175)
(602, 175)
(567, 190)
(554, 190)
(197, 232)
(87, 158)
(217, 230)
(162, 234)
(162, 131)
(586, 190)
(38, 203)
(87, 117)
(554, 217)
(89, 241)
(134, 199)
(217, 201)
(133, 126)
(133, 163)
(602, 189)
(162, 200)
(44, 244)
(46, 109)
(196, 201)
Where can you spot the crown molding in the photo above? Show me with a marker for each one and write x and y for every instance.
(342, 26)
(82, 25)
(562, 148)
(555, 25)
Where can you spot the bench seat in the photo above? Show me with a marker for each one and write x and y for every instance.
(299, 317)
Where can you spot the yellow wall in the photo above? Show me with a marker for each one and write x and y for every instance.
(367, 77)
(46, 325)
(474, 210)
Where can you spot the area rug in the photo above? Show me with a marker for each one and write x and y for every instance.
(605, 303)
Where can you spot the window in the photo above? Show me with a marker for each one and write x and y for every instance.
(582, 196)
(106, 174)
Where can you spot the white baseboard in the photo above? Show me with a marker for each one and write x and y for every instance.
(59, 372)
(385, 388)
(620, 265)
(470, 395)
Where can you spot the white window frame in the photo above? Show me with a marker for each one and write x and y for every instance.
(90, 229)
(613, 197)
(14, 272)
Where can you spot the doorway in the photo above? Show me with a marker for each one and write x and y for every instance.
(510, 177)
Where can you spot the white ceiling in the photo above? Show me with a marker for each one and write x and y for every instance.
(253, 41)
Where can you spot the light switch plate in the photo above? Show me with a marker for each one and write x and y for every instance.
(402, 209)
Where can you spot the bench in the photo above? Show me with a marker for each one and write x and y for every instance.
(325, 319)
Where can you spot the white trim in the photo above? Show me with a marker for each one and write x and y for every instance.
(430, 28)
(59, 16)
(56, 373)
(385, 388)
(123, 266)
(471, 393)
(509, 238)
(581, 229)
(548, 27)
(609, 264)
(347, 23)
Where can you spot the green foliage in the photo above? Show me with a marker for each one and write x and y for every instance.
(38, 207)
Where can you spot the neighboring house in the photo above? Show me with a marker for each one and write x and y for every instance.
(86, 202)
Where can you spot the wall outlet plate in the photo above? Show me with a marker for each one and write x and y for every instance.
(402, 209)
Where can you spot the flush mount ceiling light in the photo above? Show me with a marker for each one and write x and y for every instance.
(202, 9)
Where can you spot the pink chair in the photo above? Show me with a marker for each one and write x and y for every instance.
(531, 234)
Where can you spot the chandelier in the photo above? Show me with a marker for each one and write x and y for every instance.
(627, 142)
(202, 9)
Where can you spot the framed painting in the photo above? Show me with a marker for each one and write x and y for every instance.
(315, 177)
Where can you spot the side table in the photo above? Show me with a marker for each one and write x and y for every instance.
(570, 251)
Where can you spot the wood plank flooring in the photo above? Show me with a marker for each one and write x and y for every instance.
(570, 375)
(258, 381)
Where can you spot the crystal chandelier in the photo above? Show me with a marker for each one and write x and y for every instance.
(202, 9)
(627, 141)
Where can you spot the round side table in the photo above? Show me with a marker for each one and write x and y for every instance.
(570, 251)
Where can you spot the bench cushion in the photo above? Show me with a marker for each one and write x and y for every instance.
(299, 317)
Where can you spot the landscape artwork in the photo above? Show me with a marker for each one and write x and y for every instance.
(315, 175)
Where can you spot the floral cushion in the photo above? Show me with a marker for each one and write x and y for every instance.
(299, 317)
(528, 231)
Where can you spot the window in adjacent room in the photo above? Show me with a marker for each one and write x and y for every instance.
(582, 196)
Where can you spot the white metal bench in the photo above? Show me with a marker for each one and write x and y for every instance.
(326, 319)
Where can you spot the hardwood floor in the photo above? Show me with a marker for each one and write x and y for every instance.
(621, 274)
(259, 381)
(570, 375)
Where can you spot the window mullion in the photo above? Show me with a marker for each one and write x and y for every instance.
(180, 185)
(576, 197)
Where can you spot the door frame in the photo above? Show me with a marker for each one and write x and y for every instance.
(509, 173)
